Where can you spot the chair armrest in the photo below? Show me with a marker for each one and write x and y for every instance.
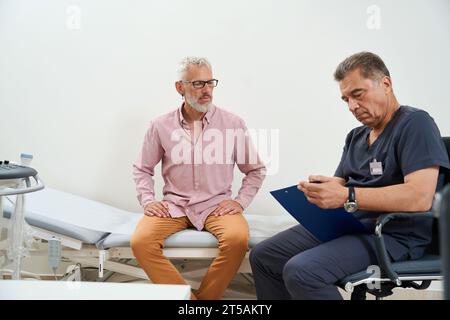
(380, 246)
(385, 218)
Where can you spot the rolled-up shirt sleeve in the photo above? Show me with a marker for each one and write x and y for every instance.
(143, 169)
(420, 144)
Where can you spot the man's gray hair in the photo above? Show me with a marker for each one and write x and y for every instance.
(186, 62)
(370, 65)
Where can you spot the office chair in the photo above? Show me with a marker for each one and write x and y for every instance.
(444, 225)
(417, 274)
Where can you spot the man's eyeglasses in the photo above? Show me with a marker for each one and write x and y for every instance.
(198, 84)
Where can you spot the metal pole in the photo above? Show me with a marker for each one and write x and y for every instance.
(17, 245)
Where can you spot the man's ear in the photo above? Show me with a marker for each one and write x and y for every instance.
(179, 87)
(387, 84)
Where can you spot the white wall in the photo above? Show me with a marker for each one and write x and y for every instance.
(80, 99)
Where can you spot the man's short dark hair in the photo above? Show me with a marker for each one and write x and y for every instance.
(370, 65)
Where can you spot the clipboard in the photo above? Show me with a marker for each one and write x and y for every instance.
(324, 224)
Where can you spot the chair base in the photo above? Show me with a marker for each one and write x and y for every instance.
(360, 292)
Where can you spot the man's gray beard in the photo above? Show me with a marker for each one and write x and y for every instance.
(197, 106)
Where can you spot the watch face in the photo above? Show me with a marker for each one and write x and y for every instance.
(350, 207)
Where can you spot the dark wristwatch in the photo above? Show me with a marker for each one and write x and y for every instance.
(350, 205)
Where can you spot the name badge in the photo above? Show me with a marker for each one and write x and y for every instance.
(376, 168)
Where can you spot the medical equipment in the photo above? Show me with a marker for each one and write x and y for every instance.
(16, 180)
(54, 254)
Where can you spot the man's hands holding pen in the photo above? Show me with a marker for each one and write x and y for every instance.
(325, 192)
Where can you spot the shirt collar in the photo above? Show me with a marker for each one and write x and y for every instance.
(207, 117)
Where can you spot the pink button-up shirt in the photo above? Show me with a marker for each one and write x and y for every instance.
(198, 173)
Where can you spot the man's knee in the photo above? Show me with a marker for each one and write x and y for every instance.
(300, 273)
(140, 243)
(255, 255)
(259, 254)
(136, 243)
(234, 241)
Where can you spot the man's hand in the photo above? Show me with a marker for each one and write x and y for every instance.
(227, 207)
(157, 208)
(325, 192)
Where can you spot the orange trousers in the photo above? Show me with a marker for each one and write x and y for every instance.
(231, 232)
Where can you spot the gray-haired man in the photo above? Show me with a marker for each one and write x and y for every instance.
(197, 167)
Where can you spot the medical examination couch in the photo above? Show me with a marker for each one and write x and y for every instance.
(93, 234)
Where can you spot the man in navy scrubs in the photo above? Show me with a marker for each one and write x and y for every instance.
(389, 164)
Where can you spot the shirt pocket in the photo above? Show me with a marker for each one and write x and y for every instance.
(390, 168)
(382, 157)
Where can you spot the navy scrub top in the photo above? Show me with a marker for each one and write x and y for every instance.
(411, 141)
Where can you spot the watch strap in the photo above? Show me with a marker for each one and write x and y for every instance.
(351, 194)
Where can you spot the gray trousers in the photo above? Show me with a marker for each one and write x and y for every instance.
(294, 265)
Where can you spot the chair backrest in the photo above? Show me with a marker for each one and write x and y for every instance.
(433, 247)
(446, 172)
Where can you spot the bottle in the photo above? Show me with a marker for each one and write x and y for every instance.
(25, 159)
